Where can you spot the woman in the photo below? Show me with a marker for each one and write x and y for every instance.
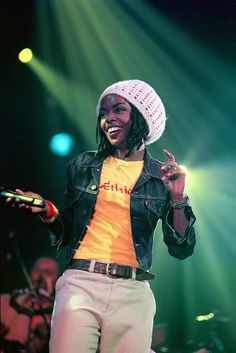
(113, 202)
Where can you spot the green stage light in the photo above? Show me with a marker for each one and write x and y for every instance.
(25, 55)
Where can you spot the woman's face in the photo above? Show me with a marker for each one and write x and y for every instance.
(115, 120)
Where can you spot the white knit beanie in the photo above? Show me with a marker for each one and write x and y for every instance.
(145, 99)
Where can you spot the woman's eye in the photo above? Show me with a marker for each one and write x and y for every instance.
(119, 110)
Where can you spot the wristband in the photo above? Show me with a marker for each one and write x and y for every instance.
(51, 213)
(178, 206)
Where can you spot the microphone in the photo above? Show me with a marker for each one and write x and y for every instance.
(28, 200)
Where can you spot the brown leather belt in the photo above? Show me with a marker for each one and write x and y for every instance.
(112, 270)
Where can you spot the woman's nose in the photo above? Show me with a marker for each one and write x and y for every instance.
(110, 116)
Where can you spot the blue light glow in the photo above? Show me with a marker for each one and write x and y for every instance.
(61, 144)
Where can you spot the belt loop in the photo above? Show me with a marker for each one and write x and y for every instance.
(92, 265)
(134, 273)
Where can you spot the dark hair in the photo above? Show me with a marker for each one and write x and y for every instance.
(137, 134)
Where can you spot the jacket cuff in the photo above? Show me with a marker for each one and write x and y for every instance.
(172, 235)
(180, 246)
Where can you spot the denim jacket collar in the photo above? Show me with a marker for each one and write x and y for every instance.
(152, 167)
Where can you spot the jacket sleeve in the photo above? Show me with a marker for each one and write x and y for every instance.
(61, 226)
(179, 246)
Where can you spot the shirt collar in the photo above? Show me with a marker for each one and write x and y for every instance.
(152, 166)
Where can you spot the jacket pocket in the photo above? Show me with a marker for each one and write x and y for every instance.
(72, 197)
(156, 206)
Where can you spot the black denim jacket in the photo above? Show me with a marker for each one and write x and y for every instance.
(149, 202)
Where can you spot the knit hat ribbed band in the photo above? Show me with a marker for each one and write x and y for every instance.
(145, 99)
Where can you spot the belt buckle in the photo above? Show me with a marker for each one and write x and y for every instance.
(111, 269)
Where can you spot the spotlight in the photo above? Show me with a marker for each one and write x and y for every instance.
(25, 55)
(61, 144)
(205, 317)
(184, 169)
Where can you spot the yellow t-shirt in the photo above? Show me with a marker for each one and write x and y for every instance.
(108, 236)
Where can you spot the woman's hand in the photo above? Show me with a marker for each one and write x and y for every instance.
(20, 204)
(174, 177)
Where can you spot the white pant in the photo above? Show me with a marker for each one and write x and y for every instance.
(89, 303)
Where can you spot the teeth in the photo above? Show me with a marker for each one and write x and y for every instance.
(114, 128)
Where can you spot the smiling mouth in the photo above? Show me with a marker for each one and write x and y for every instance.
(112, 129)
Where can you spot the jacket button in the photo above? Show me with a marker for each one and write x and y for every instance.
(84, 212)
(93, 187)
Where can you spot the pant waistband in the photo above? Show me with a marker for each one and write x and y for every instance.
(112, 270)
